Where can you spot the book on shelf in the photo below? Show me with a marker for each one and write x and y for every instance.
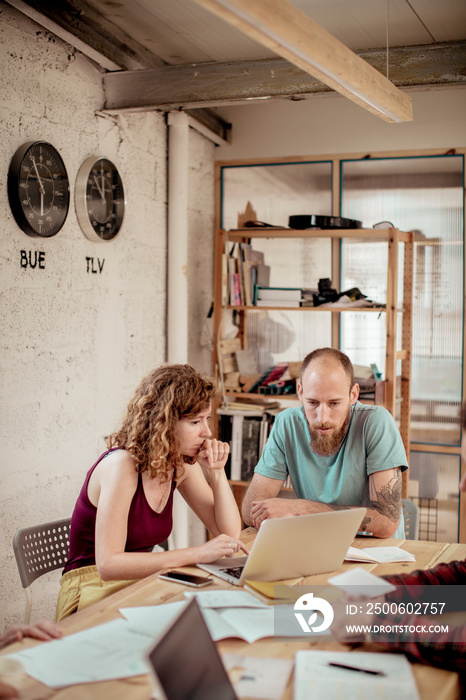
(250, 447)
(247, 433)
(289, 303)
(277, 296)
(231, 267)
(261, 277)
(245, 269)
(282, 293)
(245, 272)
(236, 301)
(225, 290)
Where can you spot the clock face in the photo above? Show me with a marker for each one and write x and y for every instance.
(38, 189)
(100, 199)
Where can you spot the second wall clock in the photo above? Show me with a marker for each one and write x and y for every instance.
(99, 199)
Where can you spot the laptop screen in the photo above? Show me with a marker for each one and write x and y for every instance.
(187, 663)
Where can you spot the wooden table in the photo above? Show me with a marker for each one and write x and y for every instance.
(432, 682)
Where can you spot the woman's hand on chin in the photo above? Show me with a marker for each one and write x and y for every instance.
(213, 455)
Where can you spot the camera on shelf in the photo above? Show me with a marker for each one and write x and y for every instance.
(325, 293)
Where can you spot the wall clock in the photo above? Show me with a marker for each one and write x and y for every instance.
(99, 199)
(38, 189)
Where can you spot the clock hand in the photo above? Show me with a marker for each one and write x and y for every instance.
(101, 191)
(41, 186)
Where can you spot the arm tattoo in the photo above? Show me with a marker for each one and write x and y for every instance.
(387, 501)
(366, 520)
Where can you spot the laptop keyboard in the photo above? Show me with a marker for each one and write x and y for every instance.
(234, 571)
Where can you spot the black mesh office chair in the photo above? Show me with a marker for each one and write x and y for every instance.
(38, 550)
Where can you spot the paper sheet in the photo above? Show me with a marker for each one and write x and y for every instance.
(108, 651)
(314, 678)
(150, 619)
(225, 599)
(358, 581)
(254, 677)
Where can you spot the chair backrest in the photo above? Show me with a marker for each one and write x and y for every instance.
(411, 517)
(38, 550)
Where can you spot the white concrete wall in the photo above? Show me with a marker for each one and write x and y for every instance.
(74, 343)
(333, 124)
(200, 246)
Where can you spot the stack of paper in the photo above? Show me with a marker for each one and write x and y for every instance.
(378, 555)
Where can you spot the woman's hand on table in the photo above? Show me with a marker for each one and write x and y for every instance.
(43, 630)
(7, 691)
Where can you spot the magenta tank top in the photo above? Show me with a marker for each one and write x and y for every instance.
(146, 528)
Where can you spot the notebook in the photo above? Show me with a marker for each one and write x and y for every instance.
(292, 547)
(186, 662)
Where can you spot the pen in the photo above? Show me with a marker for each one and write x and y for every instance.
(364, 533)
(356, 668)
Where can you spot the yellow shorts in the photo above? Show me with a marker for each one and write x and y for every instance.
(81, 587)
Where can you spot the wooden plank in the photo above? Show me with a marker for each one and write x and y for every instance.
(372, 234)
(439, 449)
(293, 35)
(85, 28)
(390, 347)
(358, 155)
(405, 353)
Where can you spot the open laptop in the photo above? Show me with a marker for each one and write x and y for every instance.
(186, 662)
(292, 547)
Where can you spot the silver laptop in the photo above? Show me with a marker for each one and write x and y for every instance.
(186, 664)
(292, 547)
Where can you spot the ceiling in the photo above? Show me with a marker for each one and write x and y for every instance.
(172, 54)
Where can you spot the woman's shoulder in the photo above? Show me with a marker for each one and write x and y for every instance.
(115, 473)
(118, 463)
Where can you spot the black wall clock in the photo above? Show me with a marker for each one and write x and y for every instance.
(99, 199)
(38, 189)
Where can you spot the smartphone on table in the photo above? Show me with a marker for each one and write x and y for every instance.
(187, 579)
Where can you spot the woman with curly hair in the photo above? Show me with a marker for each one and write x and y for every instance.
(125, 505)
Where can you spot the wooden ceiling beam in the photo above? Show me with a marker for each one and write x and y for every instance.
(293, 35)
(242, 82)
(82, 26)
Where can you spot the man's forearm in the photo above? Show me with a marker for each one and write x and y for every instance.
(380, 525)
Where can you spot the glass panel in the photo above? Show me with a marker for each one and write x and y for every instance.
(276, 192)
(362, 338)
(286, 336)
(295, 262)
(426, 195)
(433, 485)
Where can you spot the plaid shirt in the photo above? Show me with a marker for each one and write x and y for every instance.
(444, 649)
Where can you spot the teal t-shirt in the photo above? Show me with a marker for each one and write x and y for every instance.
(372, 443)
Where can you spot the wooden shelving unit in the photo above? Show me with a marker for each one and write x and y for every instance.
(394, 239)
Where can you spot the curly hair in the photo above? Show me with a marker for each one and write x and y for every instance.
(165, 395)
